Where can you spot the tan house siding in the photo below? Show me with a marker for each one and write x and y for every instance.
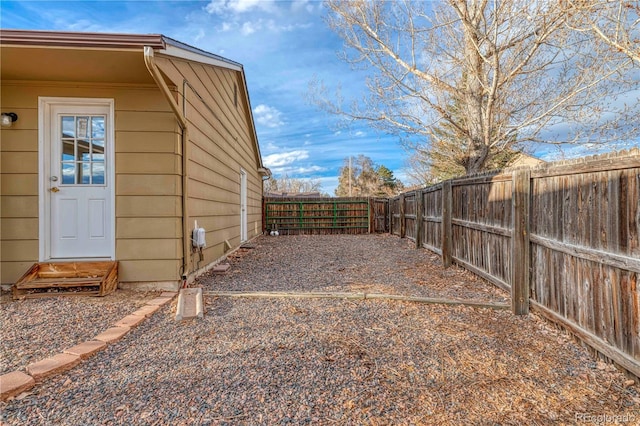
(18, 185)
(149, 138)
(148, 169)
(221, 145)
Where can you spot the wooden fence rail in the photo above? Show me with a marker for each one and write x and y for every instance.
(563, 238)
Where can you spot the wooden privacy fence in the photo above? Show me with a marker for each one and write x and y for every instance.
(325, 215)
(563, 238)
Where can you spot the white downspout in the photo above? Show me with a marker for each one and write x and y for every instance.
(149, 61)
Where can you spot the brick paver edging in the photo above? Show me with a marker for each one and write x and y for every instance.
(16, 382)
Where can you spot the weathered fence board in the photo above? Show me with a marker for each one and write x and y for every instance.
(432, 218)
(482, 226)
(585, 256)
(380, 215)
(573, 231)
(395, 210)
(410, 216)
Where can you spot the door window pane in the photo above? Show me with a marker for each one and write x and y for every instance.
(82, 127)
(97, 175)
(83, 143)
(97, 150)
(68, 173)
(83, 150)
(85, 174)
(97, 127)
(68, 150)
(68, 127)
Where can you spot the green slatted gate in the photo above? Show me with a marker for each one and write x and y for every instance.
(317, 216)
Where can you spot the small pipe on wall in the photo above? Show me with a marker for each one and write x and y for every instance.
(149, 61)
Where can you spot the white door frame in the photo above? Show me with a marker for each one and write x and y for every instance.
(45, 105)
(243, 206)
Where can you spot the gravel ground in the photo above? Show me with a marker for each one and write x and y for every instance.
(331, 361)
(343, 263)
(35, 329)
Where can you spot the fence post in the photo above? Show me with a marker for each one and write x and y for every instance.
(447, 238)
(371, 213)
(387, 216)
(520, 258)
(403, 225)
(264, 214)
(390, 213)
(419, 211)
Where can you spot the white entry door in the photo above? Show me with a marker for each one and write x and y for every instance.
(78, 184)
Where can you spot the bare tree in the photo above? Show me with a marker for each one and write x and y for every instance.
(615, 22)
(286, 184)
(515, 70)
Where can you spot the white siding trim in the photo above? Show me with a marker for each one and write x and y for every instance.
(44, 126)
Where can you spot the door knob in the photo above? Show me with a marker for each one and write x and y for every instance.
(54, 189)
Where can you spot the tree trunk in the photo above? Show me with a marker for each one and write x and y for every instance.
(474, 93)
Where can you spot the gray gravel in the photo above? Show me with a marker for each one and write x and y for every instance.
(34, 329)
(304, 361)
(342, 263)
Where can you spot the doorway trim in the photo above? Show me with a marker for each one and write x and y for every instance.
(45, 105)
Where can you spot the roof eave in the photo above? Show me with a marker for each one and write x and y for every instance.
(182, 50)
(78, 39)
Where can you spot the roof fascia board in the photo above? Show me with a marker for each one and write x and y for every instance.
(84, 48)
(183, 51)
(76, 39)
(252, 123)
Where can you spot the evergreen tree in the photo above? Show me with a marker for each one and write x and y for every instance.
(360, 177)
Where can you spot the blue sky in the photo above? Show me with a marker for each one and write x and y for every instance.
(282, 45)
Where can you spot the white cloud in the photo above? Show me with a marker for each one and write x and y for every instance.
(215, 6)
(249, 28)
(267, 116)
(272, 26)
(297, 171)
(310, 169)
(237, 6)
(270, 146)
(359, 134)
(285, 158)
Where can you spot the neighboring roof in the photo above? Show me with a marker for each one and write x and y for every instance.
(523, 159)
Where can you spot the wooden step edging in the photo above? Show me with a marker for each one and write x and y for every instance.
(95, 278)
(358, 296)
(16, 382)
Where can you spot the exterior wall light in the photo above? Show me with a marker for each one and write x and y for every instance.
(7, 119)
